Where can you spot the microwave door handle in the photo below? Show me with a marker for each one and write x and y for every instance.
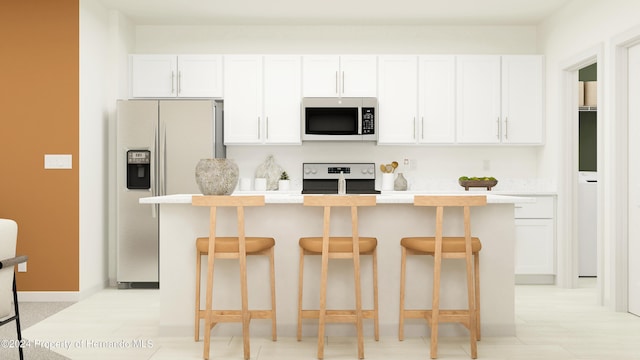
(360, 120)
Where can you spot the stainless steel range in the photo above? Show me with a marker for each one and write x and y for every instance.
(322, 178)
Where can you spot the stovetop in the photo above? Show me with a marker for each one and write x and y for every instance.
(322, 178)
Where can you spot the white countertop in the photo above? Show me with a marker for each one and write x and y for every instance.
(386, 197)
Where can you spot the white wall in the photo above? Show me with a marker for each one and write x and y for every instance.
(94, 63)
(580, 27)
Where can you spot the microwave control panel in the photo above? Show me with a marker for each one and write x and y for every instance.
(368, 121)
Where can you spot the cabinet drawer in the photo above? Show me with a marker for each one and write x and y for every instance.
(543, 208)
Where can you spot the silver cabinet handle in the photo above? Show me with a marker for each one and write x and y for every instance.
(336, 82)
(179, 82)
(343, 82)
(414, 128)
(422, 128)
(258, 127)
(498, 128)
(173, 84)
(266, 125)
(506, 128)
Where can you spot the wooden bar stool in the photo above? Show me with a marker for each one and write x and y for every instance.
(446, 247)
(332, 247)
(231, 248)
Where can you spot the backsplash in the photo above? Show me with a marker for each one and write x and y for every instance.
(430, 167)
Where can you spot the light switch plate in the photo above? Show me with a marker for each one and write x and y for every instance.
(22, 267)
(57, 161)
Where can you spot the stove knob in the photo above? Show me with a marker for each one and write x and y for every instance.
(364, 171)
(307, 171)
(370, 170)
(314, 171)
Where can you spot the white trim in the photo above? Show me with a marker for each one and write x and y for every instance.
(48, 296)
(619, 49)
(568, 175)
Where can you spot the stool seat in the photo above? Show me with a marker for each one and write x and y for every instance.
(232, 244)
(449, 244)
(338, 244)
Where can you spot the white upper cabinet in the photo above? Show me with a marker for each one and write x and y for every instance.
(243, 99)
(478, 99)
(167, 76)
(500, 99)
(282, 96)
(262, 99)
(397, 99)
(522, 99)
(437, 99)
(332, 75)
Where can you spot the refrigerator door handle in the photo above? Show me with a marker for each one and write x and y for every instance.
(163, 160)
(154, 179)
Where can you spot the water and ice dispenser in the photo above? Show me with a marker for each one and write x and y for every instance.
(138, 169)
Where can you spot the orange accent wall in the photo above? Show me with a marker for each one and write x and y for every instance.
(39, 114)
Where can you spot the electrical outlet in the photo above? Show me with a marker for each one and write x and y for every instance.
(486, 165)
(22, 267)
(57, 161)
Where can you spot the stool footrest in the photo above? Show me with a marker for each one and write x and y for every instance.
(338, 316)
(457, 316)
(236, 315)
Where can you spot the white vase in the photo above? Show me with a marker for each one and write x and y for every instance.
(387, 181)
(283, 185)
(217, 176)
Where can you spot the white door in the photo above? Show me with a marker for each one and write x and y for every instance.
(522, 103)
(200, 76)
(282, 95)
(478, 99)
(358, 74)
(634, 180)
(397, 110)
(437, 99)
(320, 74)
(243, 99)
(153, 75)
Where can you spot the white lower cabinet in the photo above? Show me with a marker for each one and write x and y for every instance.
(535, 241)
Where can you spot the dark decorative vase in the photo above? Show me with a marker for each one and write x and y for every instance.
(217, 176)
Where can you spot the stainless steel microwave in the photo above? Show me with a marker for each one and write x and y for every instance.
(339, 119)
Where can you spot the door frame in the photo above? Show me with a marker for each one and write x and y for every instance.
(620, 45)
(568, 250)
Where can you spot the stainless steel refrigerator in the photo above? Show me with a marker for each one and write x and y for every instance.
(159, 143)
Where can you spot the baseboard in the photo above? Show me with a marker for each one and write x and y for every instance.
(535, 279)
(61, 296)
(48, 296)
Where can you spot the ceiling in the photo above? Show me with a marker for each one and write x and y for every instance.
(336, 12)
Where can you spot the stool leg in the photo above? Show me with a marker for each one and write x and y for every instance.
(472, 305)
(403, 274)
(356, 272)
(376, 325)
(274, 334)
(323, 303)
(208, 316)
(300, 276)
(476, 272)
(246, 316)
(198, 278)
(435, 311)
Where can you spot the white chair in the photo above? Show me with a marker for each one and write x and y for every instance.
(8, 260)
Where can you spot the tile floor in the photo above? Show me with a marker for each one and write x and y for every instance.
(552, 324)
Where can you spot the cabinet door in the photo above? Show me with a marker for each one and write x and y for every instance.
(478, 99)
(242, 99)
(282, 94)
(397, 99)
(437, 99)
(153, 75)
(320, 74)
(358, 76)
(522, 99)
(535, 253)
(200, 76)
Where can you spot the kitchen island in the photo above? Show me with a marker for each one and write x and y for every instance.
(284, 218)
